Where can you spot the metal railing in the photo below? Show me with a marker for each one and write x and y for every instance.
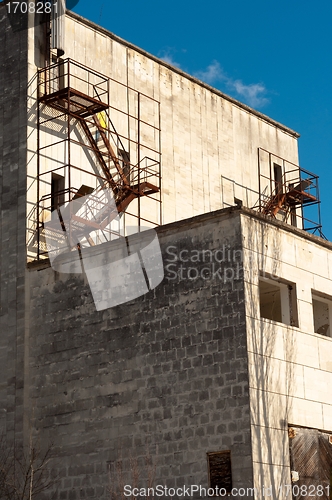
(70, 74)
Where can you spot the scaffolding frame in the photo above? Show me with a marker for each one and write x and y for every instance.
(77, 98)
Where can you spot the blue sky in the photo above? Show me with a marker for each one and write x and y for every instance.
(273, 55)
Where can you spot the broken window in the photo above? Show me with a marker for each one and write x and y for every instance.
(311, 463)
(277, 299)
(270, 301)
(322, 308)
(220, 470)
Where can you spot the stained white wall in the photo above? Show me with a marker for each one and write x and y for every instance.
(290, 368)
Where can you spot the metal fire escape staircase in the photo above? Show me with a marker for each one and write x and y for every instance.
(90, 115)
(288, 192)
(287, 196)
(125, 186)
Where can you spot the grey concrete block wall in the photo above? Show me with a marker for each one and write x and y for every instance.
(13, 138)
(165, 374)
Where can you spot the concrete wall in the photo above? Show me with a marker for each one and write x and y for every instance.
(290, 367)
(13, 140)
(164, 374)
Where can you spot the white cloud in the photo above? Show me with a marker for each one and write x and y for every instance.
(253, 94)
(166, 55)
(212, 74)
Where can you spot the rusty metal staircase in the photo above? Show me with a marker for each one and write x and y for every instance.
(288, 192)
(82, 107)
(75, 98)
(288, 196)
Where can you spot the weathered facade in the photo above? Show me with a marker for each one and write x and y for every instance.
(231, 352)
(167, 373)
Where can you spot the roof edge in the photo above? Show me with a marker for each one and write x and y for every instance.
(215, 216)
(248, 212)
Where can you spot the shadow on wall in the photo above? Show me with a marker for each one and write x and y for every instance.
(270, 383)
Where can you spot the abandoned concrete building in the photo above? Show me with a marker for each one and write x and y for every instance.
(220, 372)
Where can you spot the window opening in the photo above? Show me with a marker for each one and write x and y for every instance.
(277, 300)
(322, 309)
(57, 191)
(311, 463)
(277, 177)
(125, 162)
(220, 470)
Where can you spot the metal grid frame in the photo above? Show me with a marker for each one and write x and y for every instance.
(296, 190)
